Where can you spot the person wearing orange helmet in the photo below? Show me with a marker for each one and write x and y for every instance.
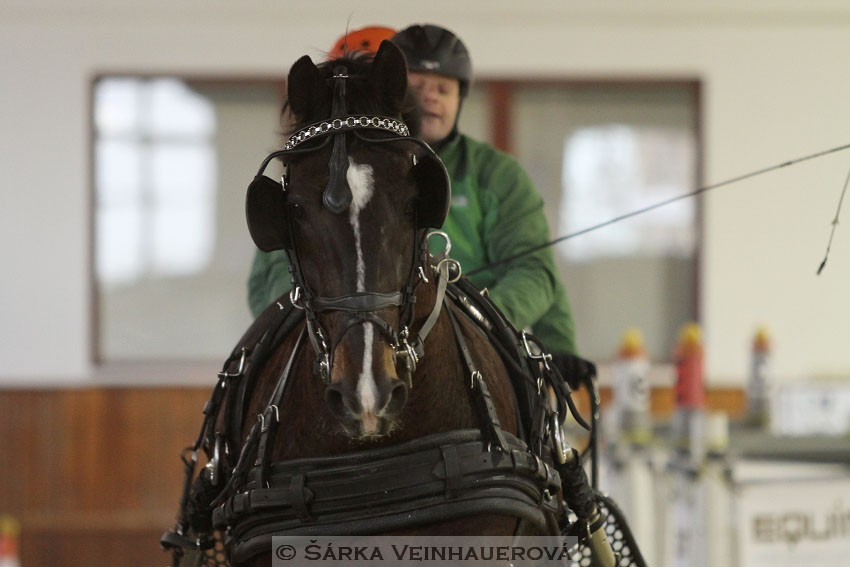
(364, 40)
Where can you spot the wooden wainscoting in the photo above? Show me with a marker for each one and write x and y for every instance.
(94, 477)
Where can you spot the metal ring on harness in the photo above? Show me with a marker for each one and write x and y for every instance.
(450, 262)
(294, 296)
(445, 237)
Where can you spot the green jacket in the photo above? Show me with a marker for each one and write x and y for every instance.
(496, 212)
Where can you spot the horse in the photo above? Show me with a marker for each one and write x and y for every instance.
(383, 395)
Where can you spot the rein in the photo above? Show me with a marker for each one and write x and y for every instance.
(677, 198)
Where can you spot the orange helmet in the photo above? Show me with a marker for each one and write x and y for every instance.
(365, 40)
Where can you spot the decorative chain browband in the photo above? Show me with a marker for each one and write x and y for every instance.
(349, 123)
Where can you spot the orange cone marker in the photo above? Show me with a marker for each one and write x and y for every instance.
(10, 533)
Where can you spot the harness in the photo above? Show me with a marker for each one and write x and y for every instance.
(434, 478)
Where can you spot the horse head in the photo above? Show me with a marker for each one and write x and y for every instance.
(357, 196)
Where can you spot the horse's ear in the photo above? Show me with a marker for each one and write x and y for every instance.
(389, 74)
(304, 87)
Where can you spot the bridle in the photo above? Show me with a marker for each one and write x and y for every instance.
(360, 308)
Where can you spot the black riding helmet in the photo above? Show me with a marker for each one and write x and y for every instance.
(432, 49)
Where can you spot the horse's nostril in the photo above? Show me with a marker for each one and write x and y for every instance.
(396, 399)
(335, 401)
(342, 405)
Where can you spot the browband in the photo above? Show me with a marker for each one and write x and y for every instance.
(343, 124)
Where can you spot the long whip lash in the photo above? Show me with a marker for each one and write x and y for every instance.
(679, 198)
(834, 223)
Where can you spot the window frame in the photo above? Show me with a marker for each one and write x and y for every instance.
(131, 371)
(499, 93)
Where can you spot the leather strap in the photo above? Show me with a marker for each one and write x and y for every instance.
(442, 281)
(452, 473)
(266, 333)
(360, 301)
(299, 497)
(481, 394)
(271, 415)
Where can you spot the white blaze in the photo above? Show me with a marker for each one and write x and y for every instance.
(366, 387)
(361, 181)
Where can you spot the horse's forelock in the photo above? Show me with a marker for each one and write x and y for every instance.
(361, 97)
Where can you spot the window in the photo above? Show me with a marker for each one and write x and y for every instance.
(155, 180)
(596, 151)
(613, 169)
(172, 159)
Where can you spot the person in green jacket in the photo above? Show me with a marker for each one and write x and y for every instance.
(496, 211)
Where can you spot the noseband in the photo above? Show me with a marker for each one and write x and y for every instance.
(360, 308)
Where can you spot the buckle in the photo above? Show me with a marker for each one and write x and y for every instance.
(262, 417)
(561, 447)
(214, 466)
(406, 351)
(225, 374)
(295, 296)
(539, 353)
(323, 367)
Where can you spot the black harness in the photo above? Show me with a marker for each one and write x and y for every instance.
(435, 478)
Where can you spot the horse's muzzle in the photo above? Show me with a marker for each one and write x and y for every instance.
(367, 410)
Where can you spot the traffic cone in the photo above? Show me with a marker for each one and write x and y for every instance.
(757, 388)
(10, 533)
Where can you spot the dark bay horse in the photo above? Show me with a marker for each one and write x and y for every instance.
(375, 399)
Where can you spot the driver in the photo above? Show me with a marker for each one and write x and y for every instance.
(496, 211)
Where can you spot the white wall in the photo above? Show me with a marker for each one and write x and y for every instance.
(776, 85)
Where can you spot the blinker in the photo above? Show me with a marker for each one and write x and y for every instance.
(434, 198)
(266, 213)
